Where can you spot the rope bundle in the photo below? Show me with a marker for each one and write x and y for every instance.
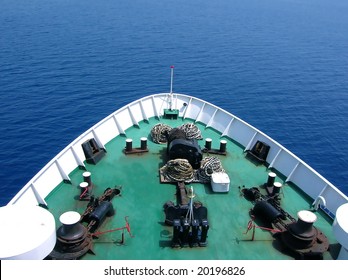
(191, 131)
(179, 170)
(160, 132)
(209, 165)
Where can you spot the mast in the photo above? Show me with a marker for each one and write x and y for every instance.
(171, 87)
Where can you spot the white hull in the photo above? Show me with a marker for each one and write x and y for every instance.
(294, 169)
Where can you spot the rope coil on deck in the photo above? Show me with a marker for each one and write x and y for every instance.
(179, 170)
(160, 132)
(191, 131)
(209, 165)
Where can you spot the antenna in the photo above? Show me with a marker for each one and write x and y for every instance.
(171, 87)
(171, 78)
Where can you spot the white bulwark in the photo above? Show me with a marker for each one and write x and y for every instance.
(340, 229)
(29, 233)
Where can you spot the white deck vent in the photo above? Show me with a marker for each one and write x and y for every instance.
(30, 233)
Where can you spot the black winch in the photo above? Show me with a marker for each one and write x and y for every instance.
(300, 239)
(74, 239)
(303, 239)
(99, 208)
(186, 149)
(181, 142)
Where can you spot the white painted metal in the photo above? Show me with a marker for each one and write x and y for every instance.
(219, 120)
(188, 105)
(229, 125)
(220, 182)
(38, 197)
(250, 144)
(119, 127)
(340, 229)
(29, 232)
(108, 131)
(132, 116)
(227, 129)
(319, 201)
(143, 112)
(70, 218)
(79, 161)
(275, 158)
(292, 172)
(64, 175)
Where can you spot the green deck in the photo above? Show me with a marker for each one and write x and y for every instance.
(143, 197)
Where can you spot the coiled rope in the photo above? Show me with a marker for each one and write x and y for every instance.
(209, 165)
(160, 132)
(191, 131)
(179, 170)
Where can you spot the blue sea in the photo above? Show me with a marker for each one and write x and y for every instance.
(281, 65)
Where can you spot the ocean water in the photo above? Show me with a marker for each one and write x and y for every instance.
(281, 65)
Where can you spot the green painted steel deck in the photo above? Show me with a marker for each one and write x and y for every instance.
(143, 196)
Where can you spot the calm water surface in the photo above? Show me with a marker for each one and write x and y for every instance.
(281, 65)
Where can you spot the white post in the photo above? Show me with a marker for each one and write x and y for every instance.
(171, 87)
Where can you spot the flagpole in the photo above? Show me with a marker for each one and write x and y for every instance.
(171, 87)
(171, 78)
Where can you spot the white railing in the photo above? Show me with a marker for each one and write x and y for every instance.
(293, 168)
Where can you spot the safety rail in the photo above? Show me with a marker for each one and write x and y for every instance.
(293, 168)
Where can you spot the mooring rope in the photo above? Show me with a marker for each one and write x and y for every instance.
(160, 132)
(191, 131)
(209, 165)
(127, 227)
(179, 170)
